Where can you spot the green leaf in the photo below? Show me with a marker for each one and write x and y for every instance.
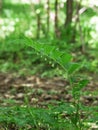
(55, 54)
(48, 49)
(65, 58)
(72, 67)
(82, 83)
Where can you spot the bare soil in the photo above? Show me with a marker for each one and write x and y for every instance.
(40, 91)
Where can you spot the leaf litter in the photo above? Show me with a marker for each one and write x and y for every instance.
(41, 91)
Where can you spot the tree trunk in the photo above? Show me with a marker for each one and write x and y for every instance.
(76, 21)
(82, 41)
(69, 12)
(38, 25)
(38, 22)
(0, 5)
(48, 16)
(56, 18)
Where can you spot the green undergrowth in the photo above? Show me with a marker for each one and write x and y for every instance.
(60, 117)
(19, 19)
(17, 57)
(64, 116)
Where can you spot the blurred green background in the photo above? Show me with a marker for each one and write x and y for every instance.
(70, 25)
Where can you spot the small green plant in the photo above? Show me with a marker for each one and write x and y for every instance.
(70, 68)
(65, 116)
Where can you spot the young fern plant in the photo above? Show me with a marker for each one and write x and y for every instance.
(65, 61)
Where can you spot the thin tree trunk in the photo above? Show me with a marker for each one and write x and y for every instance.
(38, 22)
(0, 6)
(82, 40)
(38, 25)
(48, 17)
(76, 22)
(69, 12)
(56, 18)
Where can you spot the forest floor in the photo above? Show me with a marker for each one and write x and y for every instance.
(41, 92)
